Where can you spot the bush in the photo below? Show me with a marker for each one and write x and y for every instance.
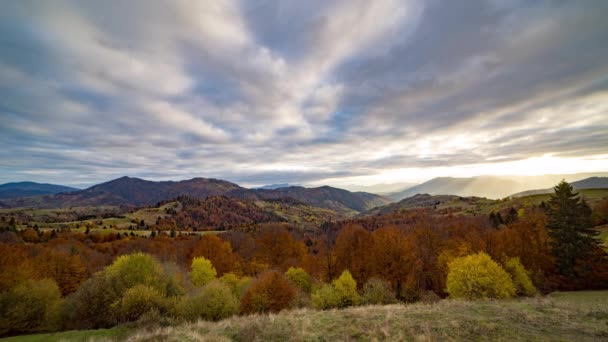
(346, 290)
(340, 294)
(299, 278)
(378, 291)
(32, 306)
(271, 292)
(478, 276)
(91, 306)
(325, 297)
(235, 284)
(138, 301)
(134, 269)
(521, 279)
(214, 302)
(202, 271)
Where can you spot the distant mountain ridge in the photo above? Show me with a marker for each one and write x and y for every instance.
(588, 183)
(129, 191)
(25, 189)
(488, 186)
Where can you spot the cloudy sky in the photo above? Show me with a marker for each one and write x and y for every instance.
(308, 92)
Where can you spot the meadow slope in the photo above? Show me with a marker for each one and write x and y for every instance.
(568, 316)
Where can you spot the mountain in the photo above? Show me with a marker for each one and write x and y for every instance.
(488, 186)
(273, 186)
(416, 201)
(588, 183)
(381, 188)
(25, 189)
(128, 191)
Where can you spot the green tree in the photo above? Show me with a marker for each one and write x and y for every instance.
(569, 224)
(32, 306)
(214, 302)
(378, 291)
(138, 301)
(478, 276)
(346, 290)
(202, 271)
(299, 278)
(521, 279)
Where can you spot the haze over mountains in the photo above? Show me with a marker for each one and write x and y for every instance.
(488, 186)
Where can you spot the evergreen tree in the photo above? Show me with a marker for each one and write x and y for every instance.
(569, 224)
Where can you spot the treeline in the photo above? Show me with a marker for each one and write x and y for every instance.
(78, 281)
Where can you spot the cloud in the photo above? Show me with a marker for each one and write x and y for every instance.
(302, 92)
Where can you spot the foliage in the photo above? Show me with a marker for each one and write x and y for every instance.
(270, 292)
(346, 290)
(134, 269)
(299, 278)
(478, 276)
(325, 297)
(569, 224)
(202, 271)
(340, 294)
(520, 277)
(215, 301)
(138, 301)
(378, 291)
(236, 284)
(32, 306)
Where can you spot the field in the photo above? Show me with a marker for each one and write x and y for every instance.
(567, 316)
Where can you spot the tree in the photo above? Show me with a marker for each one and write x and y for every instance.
(214, 302)
(569, 224)
(478, 276)
(299, 278)
(32, 306)
(378, 291)
(346, 290)
(271, 292)
(521, 279)
(202, 271)
(219, 252)
(138, 301)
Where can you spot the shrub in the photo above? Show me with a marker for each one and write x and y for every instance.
(340, 294)
(324, 298)
(236, 284)
(215, 301)
(478, 276)
(138, 301)
(270, 292)
(299, 278)
(378, 291)
(202, 271)
(521, 279)
(134, 269)
(91, 305)
(32, 306)
(346, 290)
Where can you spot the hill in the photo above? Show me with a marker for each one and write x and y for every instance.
(488, 186)
(25, 189)
(135, 192)
(587, 183)
(566, 316)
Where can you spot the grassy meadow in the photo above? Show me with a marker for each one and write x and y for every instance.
(566, 316)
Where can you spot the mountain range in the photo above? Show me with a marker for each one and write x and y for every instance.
(136, 192)
(25, 189)
(488, 186)
(587, 183)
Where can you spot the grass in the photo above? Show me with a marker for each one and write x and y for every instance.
(580, 316)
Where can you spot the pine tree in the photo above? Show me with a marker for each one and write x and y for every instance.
(569, 224)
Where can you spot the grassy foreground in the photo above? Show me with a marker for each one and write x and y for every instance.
(580, 316)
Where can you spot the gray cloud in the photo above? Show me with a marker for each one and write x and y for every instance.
(301, 92)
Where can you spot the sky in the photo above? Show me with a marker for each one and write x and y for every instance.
(302, 92)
